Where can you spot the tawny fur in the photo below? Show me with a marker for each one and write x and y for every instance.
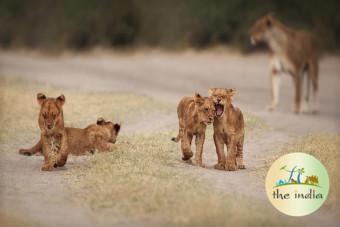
(228, 129)
(53, 134)
(100, 136)
(293, 52)
(194, 113)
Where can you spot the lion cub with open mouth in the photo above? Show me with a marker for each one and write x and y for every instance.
(194, 114)
(228, 129)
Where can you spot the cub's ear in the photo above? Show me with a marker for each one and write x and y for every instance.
(116, 127)
(211, 91)
(100, 121)
(41, 98)
(230, 92)
(197, 95)
(269, 21)
(198, 99)
(61, 100)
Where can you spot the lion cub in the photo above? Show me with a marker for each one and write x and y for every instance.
(228, 129)
(53, 134)
(100, 136)
(194, 114)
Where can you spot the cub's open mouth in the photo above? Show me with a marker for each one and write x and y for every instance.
(219, 108)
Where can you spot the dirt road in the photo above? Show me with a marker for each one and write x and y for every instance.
(166, 76)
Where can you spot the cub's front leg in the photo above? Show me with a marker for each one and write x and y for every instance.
(49, 155)
(63, 153)
(231, 154)
(186, 145)
(219, 144)
(199, 141)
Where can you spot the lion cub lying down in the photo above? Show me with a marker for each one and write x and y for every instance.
(100, 136)
(194, 113)
(228, 129)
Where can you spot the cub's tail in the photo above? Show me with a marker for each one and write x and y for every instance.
(179, 136)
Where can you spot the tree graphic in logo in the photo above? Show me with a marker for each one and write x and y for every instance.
(309, 180)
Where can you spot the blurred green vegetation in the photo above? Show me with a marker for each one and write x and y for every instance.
(81, 24)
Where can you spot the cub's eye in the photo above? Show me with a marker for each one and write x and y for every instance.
(54, 115)
(44, 115)
(206, 109)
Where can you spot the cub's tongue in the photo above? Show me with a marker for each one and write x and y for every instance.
(219, 110)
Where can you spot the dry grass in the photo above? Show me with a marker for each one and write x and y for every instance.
(19, 109)
(326, 148)
(11, 219)
(145, 180)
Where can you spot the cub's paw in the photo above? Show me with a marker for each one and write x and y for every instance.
(219, 166)
(231, 167)
(241, 166)
(187, 156)
(200, 164)
(270, 108)
(47, 168)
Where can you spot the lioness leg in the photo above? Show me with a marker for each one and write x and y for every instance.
(199, 140)
(298, 89)
(186, 145)
(35, 149)
(313, 75)
(275, 78)
(219, 144)
(62, 160)
(231, 155)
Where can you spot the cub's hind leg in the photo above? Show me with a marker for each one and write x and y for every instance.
(199, 140)
(186, 146)
(239, 155)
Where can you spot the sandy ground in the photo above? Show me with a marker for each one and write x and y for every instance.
(166, 76)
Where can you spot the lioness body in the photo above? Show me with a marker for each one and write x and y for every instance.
(292, 52)
(228, 130)
(100, 136)
(194, 113)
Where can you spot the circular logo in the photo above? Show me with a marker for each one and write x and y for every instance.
(297, 184)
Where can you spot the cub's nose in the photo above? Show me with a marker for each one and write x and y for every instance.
(211, 119)
(49, 126)
(219, 100)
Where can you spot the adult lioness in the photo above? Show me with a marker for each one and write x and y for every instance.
(228, 129)
(194, 113)
(53, 134)
(293, 52)
(100, 136)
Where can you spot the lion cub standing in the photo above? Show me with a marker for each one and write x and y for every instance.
(53, 134)
(194, 113)
(228, 129)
